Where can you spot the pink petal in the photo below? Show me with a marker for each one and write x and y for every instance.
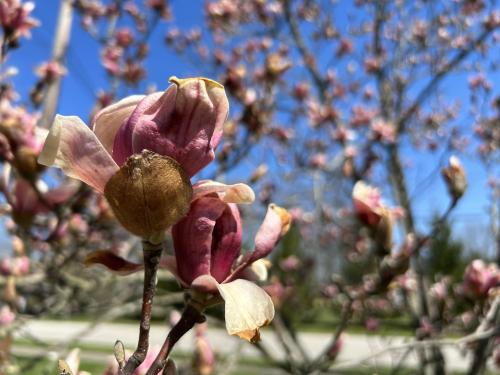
(184, 123)
(275, 225)
(108, 120)
(73, 147)
(237, 193)
(226, 242)
(192, 238)
(247, 308)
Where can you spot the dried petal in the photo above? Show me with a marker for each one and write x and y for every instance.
(112, 262)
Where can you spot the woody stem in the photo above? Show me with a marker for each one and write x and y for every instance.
(189, 318)
(152, 254)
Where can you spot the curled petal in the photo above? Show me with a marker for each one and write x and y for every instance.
(275, 225)
(237, 193)
(248, 307)
(108, 120)
(112, 262)
(73, 147)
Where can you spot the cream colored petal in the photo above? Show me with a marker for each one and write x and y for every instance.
(248, 307)
(259, 268)
(107, 122)
(237, 193)
(71, 146)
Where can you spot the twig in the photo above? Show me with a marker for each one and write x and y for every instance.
(190, 317)
(421, 344)
(152, 254)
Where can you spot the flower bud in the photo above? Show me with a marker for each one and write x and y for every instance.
(454, 176)
(148, 194)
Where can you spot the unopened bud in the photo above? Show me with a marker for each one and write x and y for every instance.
(454, 176)
(148, 194)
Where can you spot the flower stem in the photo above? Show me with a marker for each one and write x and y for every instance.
(152, 254)
(189, 318)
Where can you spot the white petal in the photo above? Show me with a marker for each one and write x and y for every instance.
(107, 122)
(237, 193)
(248, 307)
(71, 146)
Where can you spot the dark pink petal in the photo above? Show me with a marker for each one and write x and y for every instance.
(185, 123)
(108, 120)
(112, 262)
(71, 146)
(226, 242)
(192, 238)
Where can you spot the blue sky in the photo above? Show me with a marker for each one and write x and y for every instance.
(86, 77)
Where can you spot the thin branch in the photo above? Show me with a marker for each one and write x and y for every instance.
(152, 254)
(424, 94)
(189, 318)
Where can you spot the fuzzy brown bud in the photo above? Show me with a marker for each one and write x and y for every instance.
(148, 194)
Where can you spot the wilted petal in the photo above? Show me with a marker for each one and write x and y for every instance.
(108, 120)
(112, 262)
(248, 307)
(73, 147)
(275, 225)
(237, 193)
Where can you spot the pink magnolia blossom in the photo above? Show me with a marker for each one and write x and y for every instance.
(15, 17)
(479, 278)
(367, 203)
(207, 244)
(184, 122)
(204, 357)
(17, 266)
(50, 70)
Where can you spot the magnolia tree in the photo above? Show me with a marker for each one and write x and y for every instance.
(329, 101)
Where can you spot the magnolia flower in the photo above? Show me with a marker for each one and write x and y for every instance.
(479, 278)
(50, 70)
(182, 124)
(14, 17)
(17, 266)
(207, 244)
(371, 211)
